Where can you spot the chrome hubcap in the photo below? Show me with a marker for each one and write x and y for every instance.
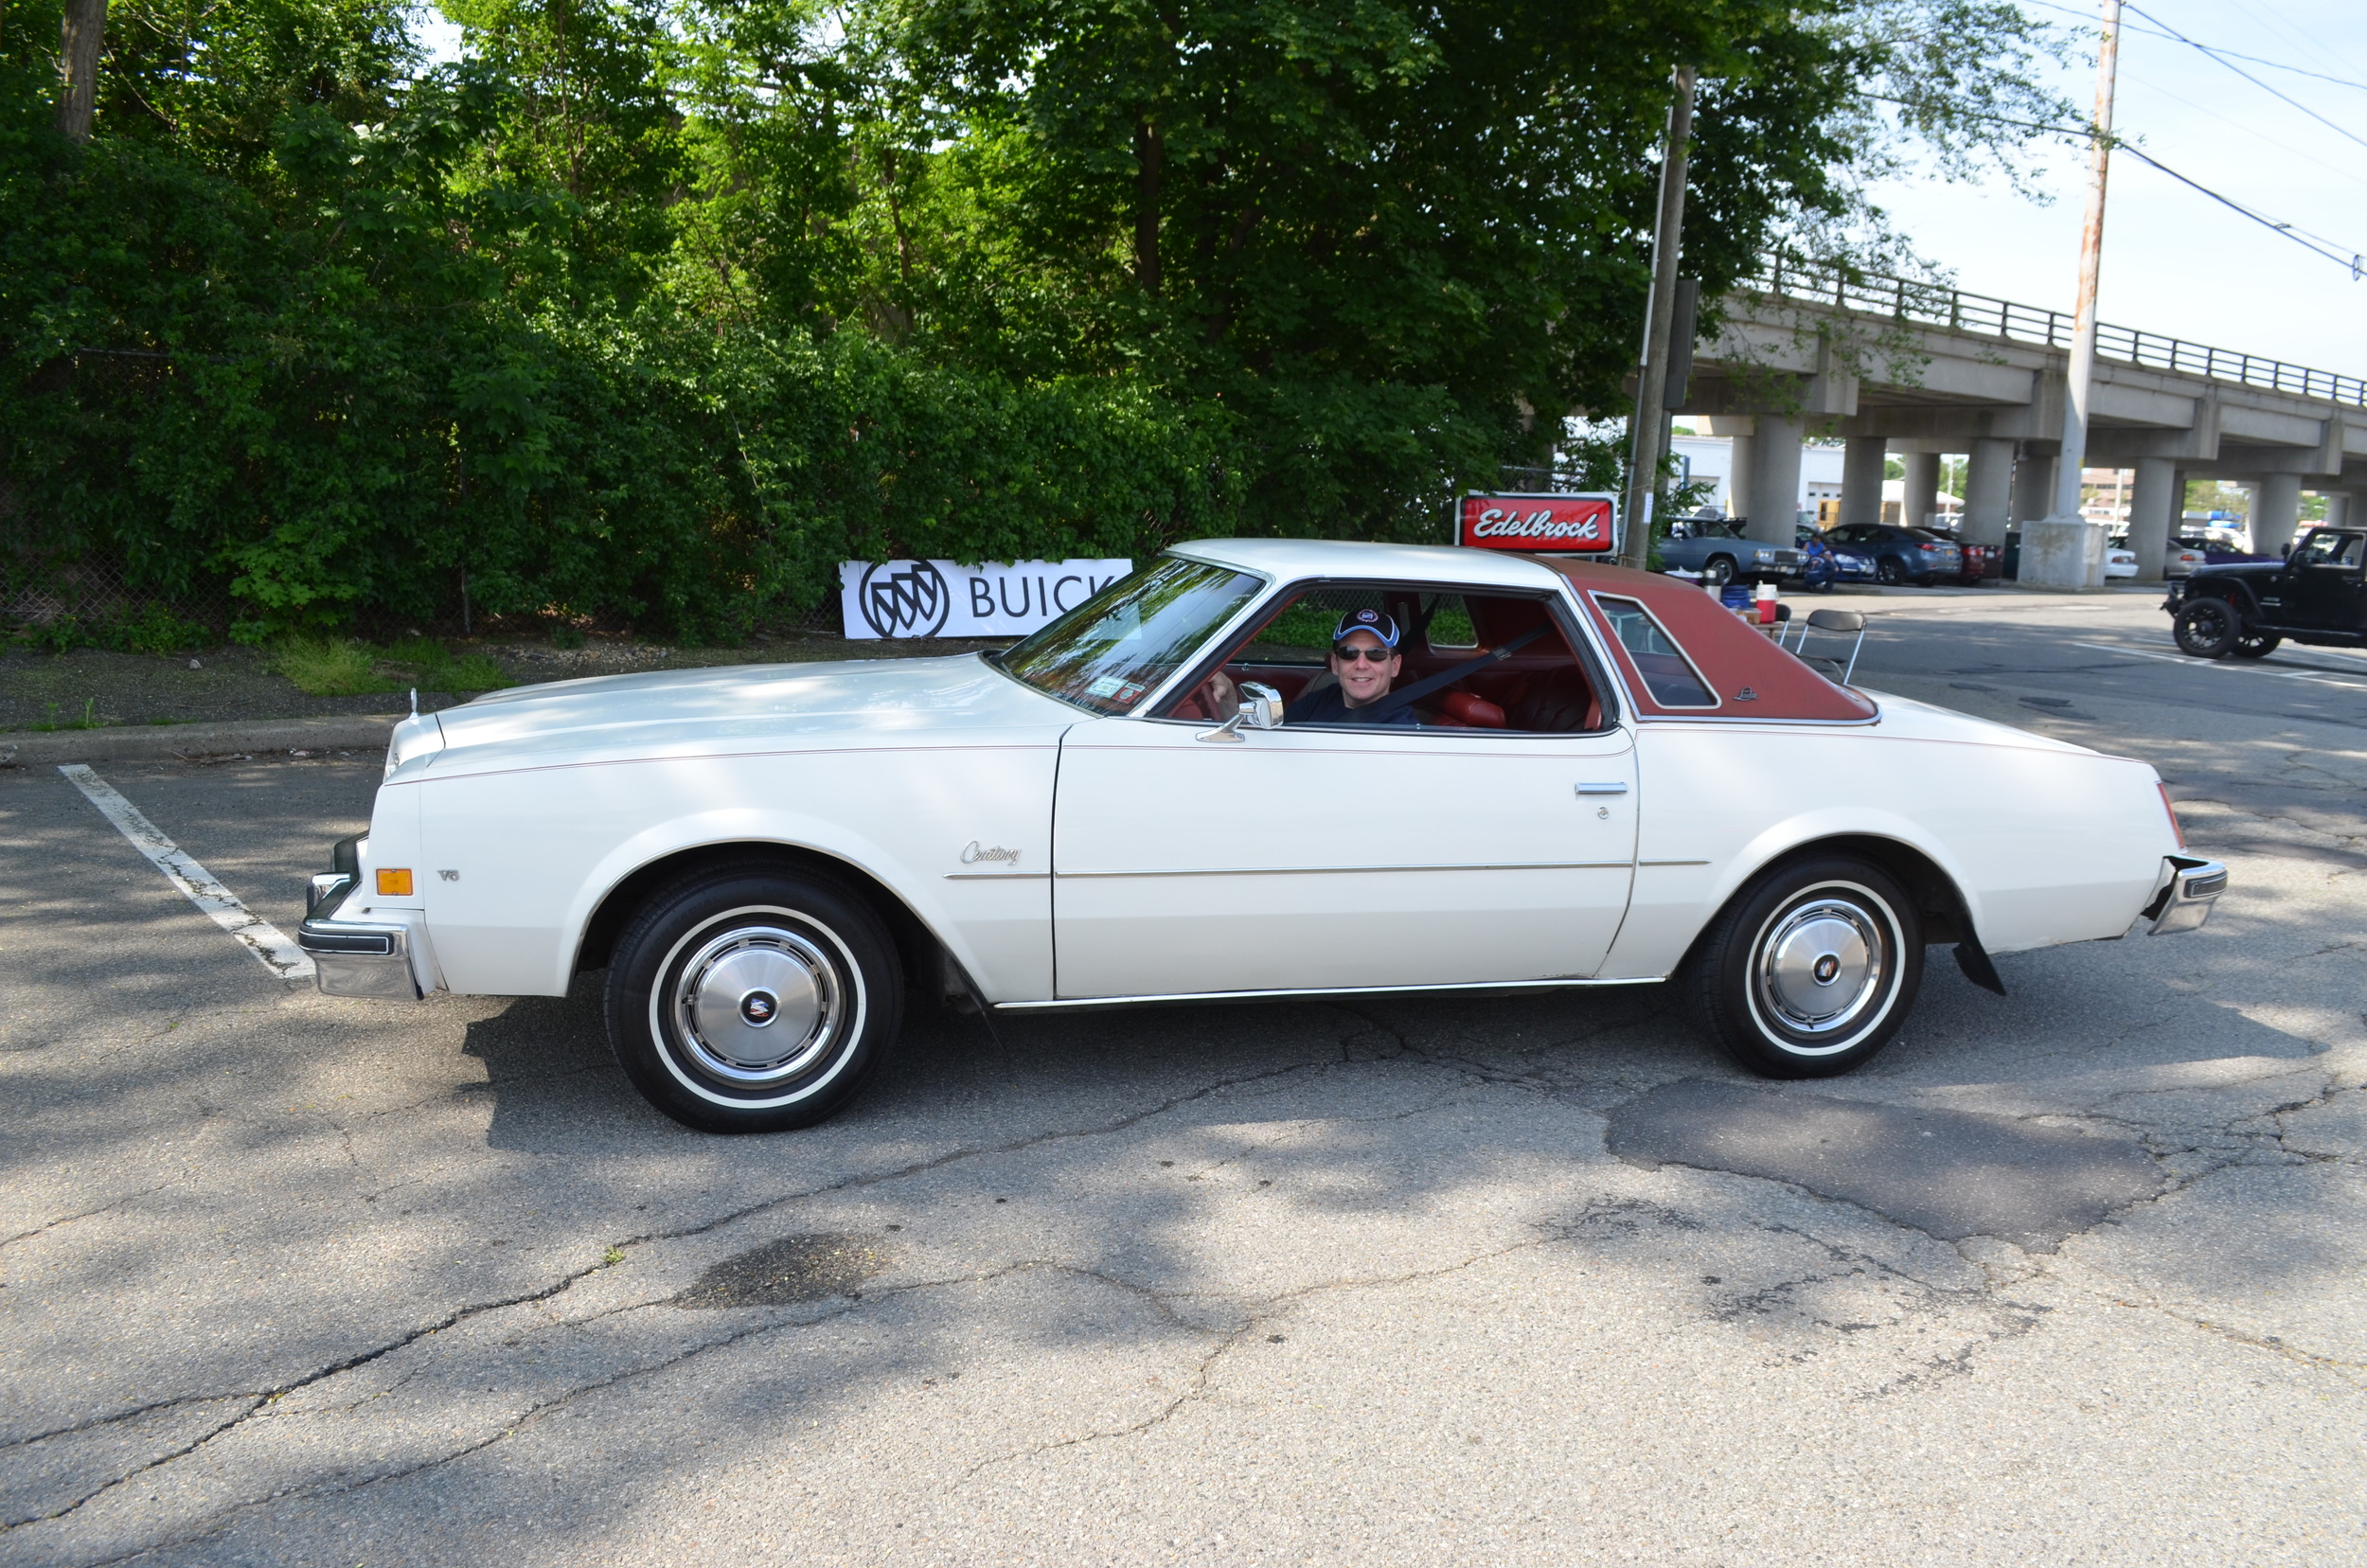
(1821, 966)
(758, 1003)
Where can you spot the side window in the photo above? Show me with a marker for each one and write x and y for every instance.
(1447, 662)
(2332, 549)
(1669, 675)
(1446, 622)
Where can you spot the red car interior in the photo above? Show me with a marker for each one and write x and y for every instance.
(1541, 687)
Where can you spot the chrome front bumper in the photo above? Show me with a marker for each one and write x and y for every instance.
(354, 957)
(2189, 887)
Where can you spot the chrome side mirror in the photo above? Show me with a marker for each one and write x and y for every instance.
(1261, 709)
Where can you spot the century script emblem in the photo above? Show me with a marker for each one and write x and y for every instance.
(904, 599)
(972, 854)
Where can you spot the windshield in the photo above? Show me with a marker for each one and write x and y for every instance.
(1113, 649)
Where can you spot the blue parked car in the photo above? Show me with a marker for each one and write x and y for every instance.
(1824, 562)
(1902, 553)
(1721, 552)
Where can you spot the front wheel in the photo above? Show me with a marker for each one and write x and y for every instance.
(1890, 572)
(752, 1001)
(2257, 645)
(2207, 628)
(1718, 572)
(1811, 970)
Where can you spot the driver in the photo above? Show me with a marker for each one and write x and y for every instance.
(1364, 663)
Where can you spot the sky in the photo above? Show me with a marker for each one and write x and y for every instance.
(2174, 260)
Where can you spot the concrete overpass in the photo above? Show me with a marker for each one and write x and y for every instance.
(1893, 366)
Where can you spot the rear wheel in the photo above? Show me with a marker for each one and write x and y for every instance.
(2207, 628)
(1811, 970)
(1717, 571)
(2257, 645)
(748, 1001)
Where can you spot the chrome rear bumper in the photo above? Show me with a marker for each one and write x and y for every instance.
(2189, 887)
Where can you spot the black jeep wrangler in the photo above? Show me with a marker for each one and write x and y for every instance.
(2316, 595)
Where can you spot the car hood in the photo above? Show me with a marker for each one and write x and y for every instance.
(726, 710)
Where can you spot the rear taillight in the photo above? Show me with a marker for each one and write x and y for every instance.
(2171, 812)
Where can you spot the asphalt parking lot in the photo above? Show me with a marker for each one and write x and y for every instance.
(2068, 1276)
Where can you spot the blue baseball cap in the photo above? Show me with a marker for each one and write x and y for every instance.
(1378, 622)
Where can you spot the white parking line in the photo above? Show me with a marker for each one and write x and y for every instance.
(265, 940)
(2337, 682)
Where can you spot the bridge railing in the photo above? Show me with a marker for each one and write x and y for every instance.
(1937, 305)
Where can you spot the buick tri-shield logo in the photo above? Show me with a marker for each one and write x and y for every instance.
(904, 599)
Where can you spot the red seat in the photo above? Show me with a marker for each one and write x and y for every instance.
(1478, 712)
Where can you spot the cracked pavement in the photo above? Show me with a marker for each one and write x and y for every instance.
(2070, 1276)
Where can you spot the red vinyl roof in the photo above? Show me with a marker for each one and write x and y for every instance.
(1732, 658)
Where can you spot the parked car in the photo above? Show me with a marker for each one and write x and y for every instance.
(2221, 549)
(2183, 559)
(1823, 564)
(1721, 552)
(1903, 554)
(2119, 561)
(1979, 561)
(2317, 595)
(1612, 780)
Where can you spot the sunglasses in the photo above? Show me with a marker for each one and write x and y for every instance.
(1370, 656)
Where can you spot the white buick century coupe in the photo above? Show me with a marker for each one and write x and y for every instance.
(1577, 776)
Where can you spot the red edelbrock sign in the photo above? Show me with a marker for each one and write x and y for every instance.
(1557, 523)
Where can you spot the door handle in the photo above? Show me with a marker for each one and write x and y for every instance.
(1611, 786)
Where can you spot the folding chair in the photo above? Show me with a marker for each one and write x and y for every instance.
(1840, 622)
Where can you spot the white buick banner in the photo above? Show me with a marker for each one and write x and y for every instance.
(942, 599)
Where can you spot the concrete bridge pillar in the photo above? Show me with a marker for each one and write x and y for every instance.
(1738, 464)
(2338, 508)
(1988, 481)
(1861, 466)
(1920, 494)
(2033, 486)
(2276, 509)
(1775, 481)
(2153, 508)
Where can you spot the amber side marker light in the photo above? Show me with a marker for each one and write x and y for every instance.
(396, 882)
(2168, 810)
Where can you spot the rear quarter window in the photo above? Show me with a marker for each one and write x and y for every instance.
(1669, 677)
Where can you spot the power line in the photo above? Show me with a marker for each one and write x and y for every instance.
(2248, 75)
(2213, 49)
(2333, 250)
(2286, 148)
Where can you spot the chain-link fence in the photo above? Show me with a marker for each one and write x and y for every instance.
(95, 604)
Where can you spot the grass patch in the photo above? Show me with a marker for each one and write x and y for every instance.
(343, 667)
(330, 667)
(89, 719)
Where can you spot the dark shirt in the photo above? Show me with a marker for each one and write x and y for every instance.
(1330, 707)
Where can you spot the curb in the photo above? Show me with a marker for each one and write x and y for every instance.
(169, 742)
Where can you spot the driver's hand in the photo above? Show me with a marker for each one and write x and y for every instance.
(1219, 697)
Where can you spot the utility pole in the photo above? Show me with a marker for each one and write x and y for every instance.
(1648, 434)
(2062, 546)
